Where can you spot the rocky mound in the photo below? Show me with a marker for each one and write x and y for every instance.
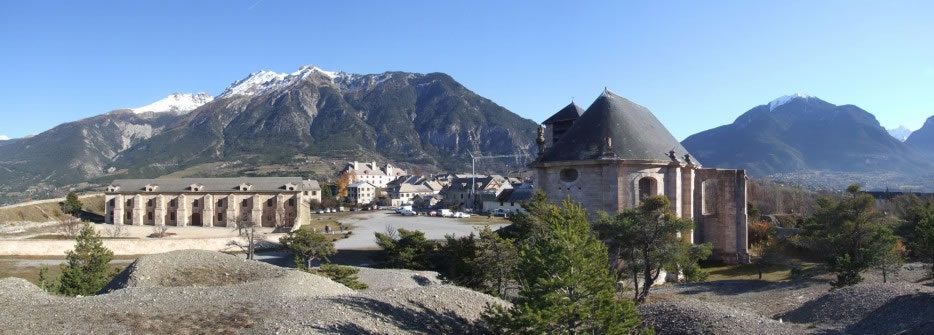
(849, 305)
(384, 279)
(199, 268)
(698, 317)
(870, 308)
(201, 292)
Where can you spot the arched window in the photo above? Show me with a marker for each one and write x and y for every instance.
(647, 188)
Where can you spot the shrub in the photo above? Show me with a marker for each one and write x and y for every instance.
(345, 275)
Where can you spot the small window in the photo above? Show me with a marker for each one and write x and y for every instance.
(221, 203)
(246, 203)
(113, 202)
(647, 188)
(129, 203)
(194, 204)
(314, 192)
(292, 202)
(220, 216)
(152, 202)
(172, 203)
(568, 175)
(129, 216)
(172, 216)
(149, 216)
(269, 203)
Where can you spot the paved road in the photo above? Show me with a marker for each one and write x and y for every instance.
(364, 227)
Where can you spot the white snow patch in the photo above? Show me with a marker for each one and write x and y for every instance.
(176, 102)
(260, 82)
(4, 138)
(901, 133)
(785, 99)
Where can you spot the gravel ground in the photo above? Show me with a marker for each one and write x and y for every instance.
(691, 316)
(158, 295)
(804, 306)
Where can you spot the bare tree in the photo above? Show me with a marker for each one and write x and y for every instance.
(282, 219)
(247, 228)
(69, 225)
(160, 230)
(116, 231)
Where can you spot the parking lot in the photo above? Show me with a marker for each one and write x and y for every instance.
(365, 224)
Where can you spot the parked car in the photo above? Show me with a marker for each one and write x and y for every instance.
(319, 211)
(446, 213)
(433, 213)
(406, 212)
(461, 215)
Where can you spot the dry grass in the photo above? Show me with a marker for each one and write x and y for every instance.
(773, 273)
(49, 211)
(484, 220)
(30, 271)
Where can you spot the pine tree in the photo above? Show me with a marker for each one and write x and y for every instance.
(72, 204)
(851, 233)
(647, 240)
(308, 245)
(87, 268)
(565, 283)
(923, 244)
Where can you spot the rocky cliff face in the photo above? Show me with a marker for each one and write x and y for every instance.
(270, 118)
(403, 117)
(75, 151)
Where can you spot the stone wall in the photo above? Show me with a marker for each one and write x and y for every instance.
(203, 209)
(720, 213)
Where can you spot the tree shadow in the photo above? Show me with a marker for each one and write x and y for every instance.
(415, 317)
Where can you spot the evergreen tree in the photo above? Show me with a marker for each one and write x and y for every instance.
(72, 205)
(308, 245)
(496, 260)
(87, 268)
(409, 250)
(565, 284)
(648, 239)
(851, 232)
(923, 244)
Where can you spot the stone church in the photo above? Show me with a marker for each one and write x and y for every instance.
(617, 153)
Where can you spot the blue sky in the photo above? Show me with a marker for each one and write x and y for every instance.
(695, 64)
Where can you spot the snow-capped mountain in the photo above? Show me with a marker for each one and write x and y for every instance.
(176, 102)
(798, 133)
(901, 133)
(260, 82)
(785, 99)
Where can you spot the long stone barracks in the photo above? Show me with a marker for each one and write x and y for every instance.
(211, 202)
(616, 153)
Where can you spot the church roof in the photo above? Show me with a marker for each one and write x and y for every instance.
(569, 112)
(634, 132)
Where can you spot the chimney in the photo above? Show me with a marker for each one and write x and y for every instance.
(374, 167)
(356, 166)
(389, 169)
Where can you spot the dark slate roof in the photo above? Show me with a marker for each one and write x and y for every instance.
(259, 184)
(569, 112)
(635, 133)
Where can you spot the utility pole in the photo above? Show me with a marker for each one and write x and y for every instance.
(473, 171)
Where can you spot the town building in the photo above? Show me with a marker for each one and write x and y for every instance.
(509, 200)
(311, 190)
(208, 202)
(467, 192)
(403, 193)
(361, 192)
(616, 153)
(372, 173)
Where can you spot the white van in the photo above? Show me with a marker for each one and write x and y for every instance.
(445, 213)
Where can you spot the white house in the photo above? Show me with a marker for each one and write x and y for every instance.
(361, 192)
